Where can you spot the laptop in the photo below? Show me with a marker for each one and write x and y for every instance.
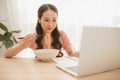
(99, 52)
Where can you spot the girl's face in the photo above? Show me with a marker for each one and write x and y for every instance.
(48, 21)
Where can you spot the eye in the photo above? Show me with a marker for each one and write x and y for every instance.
(54, 20)
(46, 20)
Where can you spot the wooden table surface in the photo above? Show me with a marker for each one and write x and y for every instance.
(32, 69)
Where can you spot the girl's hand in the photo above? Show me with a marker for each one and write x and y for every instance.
(47, 40)
(75, 54)
(28, 40)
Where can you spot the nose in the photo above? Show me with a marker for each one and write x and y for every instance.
(50, 24)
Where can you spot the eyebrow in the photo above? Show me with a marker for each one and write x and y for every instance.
(48, 18)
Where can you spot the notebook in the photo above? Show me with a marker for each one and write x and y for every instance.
(99, 52)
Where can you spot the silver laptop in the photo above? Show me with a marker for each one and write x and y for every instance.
(99, 51)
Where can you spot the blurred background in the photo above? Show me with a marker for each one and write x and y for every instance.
(73, 15)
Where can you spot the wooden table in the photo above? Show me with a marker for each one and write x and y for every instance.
(32, 69)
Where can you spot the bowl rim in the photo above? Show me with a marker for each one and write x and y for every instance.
(42, 58)
(45, 49)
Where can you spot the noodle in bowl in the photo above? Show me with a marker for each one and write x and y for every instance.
(46, 54)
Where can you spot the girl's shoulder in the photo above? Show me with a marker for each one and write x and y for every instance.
(62, 32)
(63, 35)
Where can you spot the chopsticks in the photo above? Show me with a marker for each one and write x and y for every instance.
(35, 36)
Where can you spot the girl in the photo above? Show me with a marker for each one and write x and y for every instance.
(47, 34)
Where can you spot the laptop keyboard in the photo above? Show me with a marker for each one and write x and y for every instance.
(73, 69)
(74, 58)
(66, 61)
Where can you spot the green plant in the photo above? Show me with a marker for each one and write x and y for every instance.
(7, 37)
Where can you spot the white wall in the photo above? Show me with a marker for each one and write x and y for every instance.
(3, 19)
(4, 16)
(73, 15)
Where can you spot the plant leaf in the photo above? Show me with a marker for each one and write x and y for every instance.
(14, 39)
(17, 31)
(8, 34)
(1, 37)
(8, 42)
(3, 27)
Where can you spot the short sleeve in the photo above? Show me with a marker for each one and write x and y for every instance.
(65, 42)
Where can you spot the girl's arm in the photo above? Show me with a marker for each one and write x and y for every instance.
(14, 50)
(26, 42)
(67, 45)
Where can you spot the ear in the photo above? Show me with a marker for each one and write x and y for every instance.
(39, 20)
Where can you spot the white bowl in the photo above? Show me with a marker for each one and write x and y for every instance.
(46, 54)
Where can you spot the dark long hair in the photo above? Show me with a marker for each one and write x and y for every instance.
(55, 34)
